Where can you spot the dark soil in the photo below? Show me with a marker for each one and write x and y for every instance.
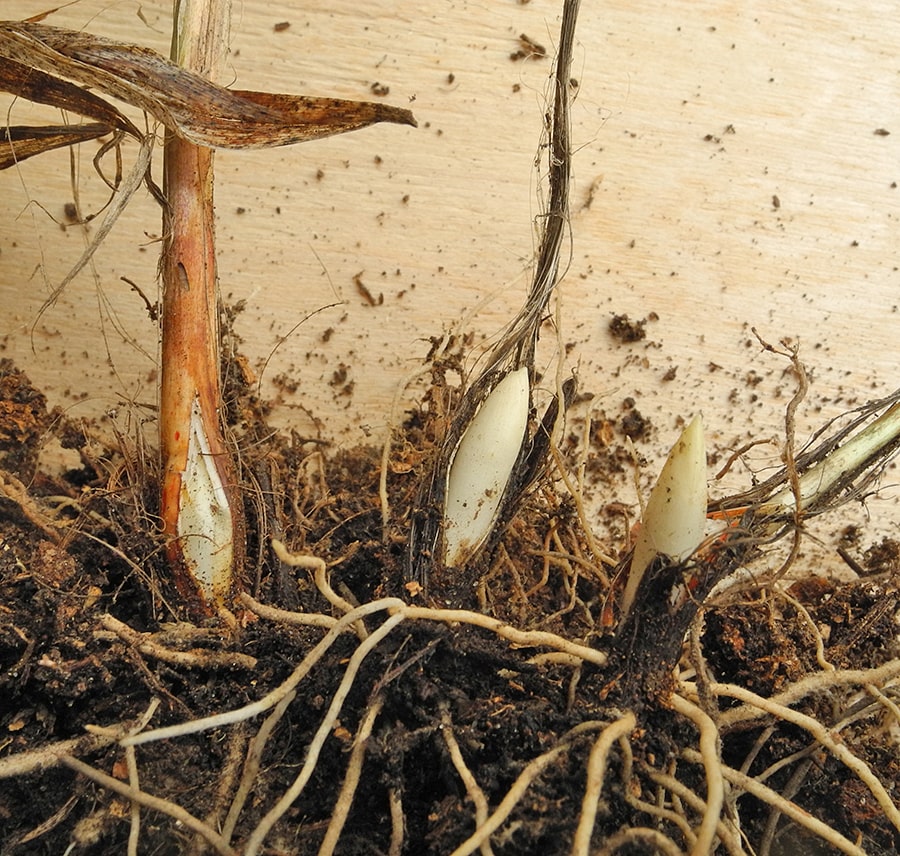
(83, 545)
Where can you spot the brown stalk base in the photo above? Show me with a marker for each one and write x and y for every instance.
(190, 354)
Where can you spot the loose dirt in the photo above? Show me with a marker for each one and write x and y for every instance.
(463, 721)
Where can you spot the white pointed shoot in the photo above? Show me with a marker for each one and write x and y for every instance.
(482, 465)
(204, 521)
(675, 517)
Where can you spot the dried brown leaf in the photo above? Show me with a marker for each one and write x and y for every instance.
(191, 106)
(301, 117)
(22, 141)
(44, 88)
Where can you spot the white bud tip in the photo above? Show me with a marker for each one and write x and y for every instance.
(482, 465)
(674, 521)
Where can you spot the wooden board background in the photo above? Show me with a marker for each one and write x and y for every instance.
(732, 171)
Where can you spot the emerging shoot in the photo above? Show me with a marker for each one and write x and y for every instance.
(482, 466)
(486, 460)
(675, 518)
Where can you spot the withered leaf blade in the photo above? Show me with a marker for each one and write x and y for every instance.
(21, 142)
(188, 104)
(302, 117)
(43, 88)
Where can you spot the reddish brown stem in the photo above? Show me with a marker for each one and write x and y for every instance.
(200, 502)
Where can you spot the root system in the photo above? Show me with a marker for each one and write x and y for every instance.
(330, 711)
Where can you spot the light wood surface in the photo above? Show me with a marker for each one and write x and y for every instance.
(732, 171)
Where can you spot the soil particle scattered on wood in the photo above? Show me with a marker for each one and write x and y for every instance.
(528, 49)
(634, 424)
(624, 330)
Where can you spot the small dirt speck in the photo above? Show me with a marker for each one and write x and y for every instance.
(634, 424)
(624, 330)
(528, 49)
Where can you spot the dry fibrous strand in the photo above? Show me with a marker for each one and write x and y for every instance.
(34, 58)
